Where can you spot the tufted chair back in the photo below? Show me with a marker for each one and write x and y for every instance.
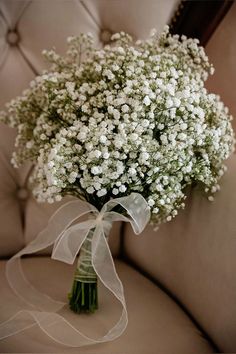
(26, 28)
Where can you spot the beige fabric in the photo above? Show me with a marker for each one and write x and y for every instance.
(194, 257)
(221, 50)
(136, 17)
(156, 323)
(15, 77)
(11, 231)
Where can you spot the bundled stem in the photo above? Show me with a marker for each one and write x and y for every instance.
(84, 294)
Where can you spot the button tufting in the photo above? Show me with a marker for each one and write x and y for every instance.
(13, 38)
(22, 194)
(105, 36)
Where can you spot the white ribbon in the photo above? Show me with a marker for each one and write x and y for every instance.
(67, 240)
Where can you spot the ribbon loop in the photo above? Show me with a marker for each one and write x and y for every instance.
(137, 208)
(68, 239)
(68, 244)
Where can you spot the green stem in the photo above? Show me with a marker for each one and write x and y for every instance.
(84, 294)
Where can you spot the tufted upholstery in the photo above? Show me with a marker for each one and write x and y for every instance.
(27, 27)
(188, 257)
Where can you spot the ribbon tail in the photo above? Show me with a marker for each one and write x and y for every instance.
(52, 324)
(104, 266)
(16, 324)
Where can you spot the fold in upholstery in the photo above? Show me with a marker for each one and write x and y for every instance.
(136, 17)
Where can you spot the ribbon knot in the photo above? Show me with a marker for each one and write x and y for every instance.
(67, 236)
(99, 218)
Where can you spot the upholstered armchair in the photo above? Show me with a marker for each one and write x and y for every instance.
(179, 281)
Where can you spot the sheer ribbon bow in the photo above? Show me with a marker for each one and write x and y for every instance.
(67, 238)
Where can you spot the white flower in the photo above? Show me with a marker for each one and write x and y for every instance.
(134, 137)
(145, 123)
(125, 108)
(72, 177)
(103, 139)
(169, 103)
(101, 192)
(132, 171)
(151, 202)
(58, 197)
(122, 188)
(95, 170)
(182, 136)
(144, 155)
(90, 190)
(146, 101)
(97, 185)
(106, 155)
(51, 164)
(115, 191)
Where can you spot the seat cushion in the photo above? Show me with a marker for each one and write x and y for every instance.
(156, 323)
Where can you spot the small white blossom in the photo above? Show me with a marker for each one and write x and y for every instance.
(101, 192)
(151, 202)
(122, 188)
(90, 190)
(106, 155)
(95, 170)
(115, 191)
(103, 139)
(125, 108)
(146, 101)
(211, 198)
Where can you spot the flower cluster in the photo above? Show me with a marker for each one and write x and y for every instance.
(131, 117)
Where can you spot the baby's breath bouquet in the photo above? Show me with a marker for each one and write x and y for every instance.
(128, 118)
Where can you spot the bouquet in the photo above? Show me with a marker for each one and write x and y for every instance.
(128, 120)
